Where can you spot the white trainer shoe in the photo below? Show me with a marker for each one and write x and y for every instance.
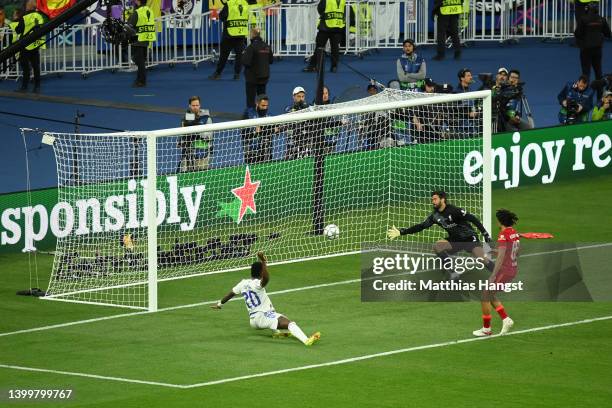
(482, 332)
(507, 324)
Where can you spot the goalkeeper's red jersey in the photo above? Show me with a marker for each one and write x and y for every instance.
(509, 239)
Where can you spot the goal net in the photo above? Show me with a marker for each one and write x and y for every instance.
(138, 208)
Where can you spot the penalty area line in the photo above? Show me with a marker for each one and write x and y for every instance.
(392, 352)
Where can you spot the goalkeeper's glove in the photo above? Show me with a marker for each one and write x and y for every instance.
(393, 233)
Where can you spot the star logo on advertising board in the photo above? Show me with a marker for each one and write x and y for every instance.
(244, 201)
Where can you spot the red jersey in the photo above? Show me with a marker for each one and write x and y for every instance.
(509, 239)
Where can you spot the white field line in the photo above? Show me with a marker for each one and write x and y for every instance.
(166, 309)
(311, 366)
(99, 377)
(392, 352)
(209, 302)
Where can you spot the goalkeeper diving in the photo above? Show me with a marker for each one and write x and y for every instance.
(457, 223)
(261, 312)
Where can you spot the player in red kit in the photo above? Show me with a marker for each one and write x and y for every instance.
(505, 270)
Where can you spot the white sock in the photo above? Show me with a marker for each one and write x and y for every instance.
(297, 332)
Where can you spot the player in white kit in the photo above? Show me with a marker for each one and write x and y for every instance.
(261, 312)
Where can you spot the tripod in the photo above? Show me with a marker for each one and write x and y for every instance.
(527, 111)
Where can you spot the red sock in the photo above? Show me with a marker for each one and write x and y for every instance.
(486, 321)
(502, 313)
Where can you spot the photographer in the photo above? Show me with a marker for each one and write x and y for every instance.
(576, 100)
(257, 141)
(466, 115)
(511, 118)
(427, 119)
(196, 149)
(332, 126)
(298, 134)
(299, 100)
(501, 78)
(603, 111)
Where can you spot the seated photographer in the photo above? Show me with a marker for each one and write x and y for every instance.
(512, 111)
(196, 149)
(426, 119)
(465, 80)
(411, 67)
(257, 141)
(576, 100)
(332, 125)
(603, 110)
(468, 111)
(298, 135)
(372, 127)
(299, 100)
(501, 78)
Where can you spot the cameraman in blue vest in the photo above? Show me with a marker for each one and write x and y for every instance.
(576, 100)
(411, 67)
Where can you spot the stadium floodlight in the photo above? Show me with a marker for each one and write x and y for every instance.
(169, 204)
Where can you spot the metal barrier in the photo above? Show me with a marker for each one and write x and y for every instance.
(185, 39)
(511, 20)
(298, 24)
(290, 29)
(12, 71)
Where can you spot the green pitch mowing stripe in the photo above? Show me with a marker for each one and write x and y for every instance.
(278, 292)
(400, 351)
(311, 366)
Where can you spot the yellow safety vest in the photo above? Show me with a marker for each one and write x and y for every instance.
(31, 21)
(451, 7)
(257, 18)
(237, 18)
(365, 18)
(13, 27)
(145, 25)
(334, 13)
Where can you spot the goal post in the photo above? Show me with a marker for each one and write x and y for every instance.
(151, 203)
(176, 203)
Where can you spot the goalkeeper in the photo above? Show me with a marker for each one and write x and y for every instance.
(456, 221)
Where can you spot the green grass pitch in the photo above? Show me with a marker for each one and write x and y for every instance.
(174, 357)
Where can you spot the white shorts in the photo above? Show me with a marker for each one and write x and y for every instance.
(265, 320)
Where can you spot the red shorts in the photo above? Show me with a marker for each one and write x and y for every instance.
(504, 276)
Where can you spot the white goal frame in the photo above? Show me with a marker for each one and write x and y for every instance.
(151, 172)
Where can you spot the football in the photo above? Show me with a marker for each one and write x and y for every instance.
(331, 231)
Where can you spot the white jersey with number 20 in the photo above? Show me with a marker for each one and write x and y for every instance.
(255, 296)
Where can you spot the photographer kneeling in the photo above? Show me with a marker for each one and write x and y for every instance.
(603, 111)
(576, 100)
